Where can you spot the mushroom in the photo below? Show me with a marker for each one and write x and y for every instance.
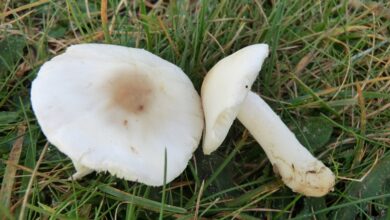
(118, 109)
(226, 95)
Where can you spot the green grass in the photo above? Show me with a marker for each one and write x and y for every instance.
(328, 71)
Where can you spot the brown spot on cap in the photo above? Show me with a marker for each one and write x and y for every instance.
(311, 172)
(133, 150)
(132, 92)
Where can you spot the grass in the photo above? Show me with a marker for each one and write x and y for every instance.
(327, 76)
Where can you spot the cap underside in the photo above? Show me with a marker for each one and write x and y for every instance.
(224, 89)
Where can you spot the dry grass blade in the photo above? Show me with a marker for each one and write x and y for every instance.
(302, 64)
(24, 7)
(29, 186)
(10, 171)
(103, 12)
(363, 121)
(104, 17)
(198, 201)
(168, 36)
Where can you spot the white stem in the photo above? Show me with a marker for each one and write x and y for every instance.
(81, 171)
(299, 170)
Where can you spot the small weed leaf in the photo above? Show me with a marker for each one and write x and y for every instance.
(376, 183)
(8, 117)
(311, 205)
(11, 50)
(207, 166)
(313, 133)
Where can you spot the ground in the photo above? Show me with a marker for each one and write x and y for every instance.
(327, 76)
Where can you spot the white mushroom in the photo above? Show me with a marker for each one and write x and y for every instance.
(224, 89)
(226, 95)
(116, 109)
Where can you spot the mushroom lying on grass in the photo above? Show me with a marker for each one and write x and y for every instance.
(116, 109)
(226, 95)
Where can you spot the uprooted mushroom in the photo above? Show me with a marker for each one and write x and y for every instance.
(226, 95)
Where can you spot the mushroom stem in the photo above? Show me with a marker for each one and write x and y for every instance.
(298, 168)
(81, 171)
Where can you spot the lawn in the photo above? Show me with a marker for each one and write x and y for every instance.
(327, 76)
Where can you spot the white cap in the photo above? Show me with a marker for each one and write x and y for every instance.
(116, 109)
(224, 89)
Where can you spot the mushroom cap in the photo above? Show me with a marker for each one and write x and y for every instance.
(116, 109)
(224, 89)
